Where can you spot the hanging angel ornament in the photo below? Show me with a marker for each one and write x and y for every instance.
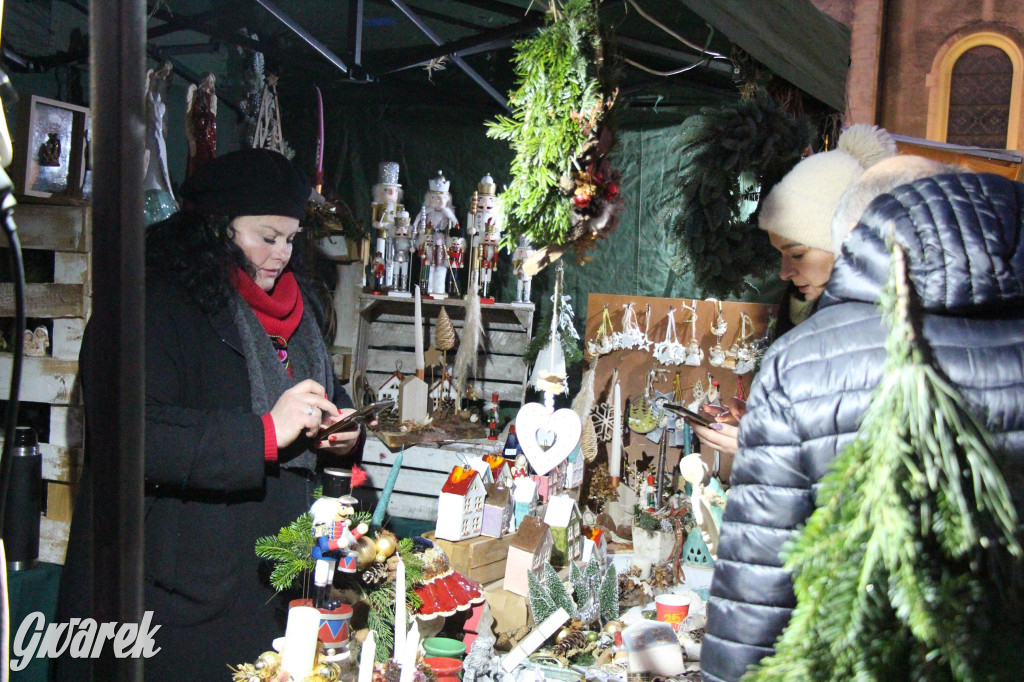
(747, 353)
(632, 335)
(201, 122)
(158, 196)
(601, 344)
(717, 353)
(694, 355)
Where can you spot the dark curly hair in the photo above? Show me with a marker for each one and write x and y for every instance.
(200, 251)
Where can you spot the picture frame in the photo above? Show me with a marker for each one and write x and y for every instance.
(50, 148)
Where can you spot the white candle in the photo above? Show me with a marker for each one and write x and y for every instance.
(300, 641)
(366, 658)
(412, 650)
(418, 341)
(615, 451)
(399, 611)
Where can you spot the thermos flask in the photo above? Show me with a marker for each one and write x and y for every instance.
(24, 501)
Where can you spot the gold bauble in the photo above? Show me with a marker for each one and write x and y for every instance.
(329, 671)
(386, 545)
(613, 626)
(563, 633)
(366, 553)
(269, 660)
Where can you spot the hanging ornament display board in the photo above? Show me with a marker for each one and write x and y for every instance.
(666, 351)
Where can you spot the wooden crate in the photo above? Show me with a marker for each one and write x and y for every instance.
(425, 468)
(64, 230)
(386, 337)
(480, 558)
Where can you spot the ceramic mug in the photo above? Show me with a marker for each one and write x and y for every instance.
(672, 608)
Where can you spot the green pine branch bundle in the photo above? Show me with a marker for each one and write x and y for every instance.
(707, 219)
(291, 551)
(912, 563)
(559, 94)
(380, 618)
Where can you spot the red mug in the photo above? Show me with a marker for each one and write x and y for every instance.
(672, 609)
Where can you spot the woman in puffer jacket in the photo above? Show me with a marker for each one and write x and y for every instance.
(963, 235)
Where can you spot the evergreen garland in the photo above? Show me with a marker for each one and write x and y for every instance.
(915, 556)
(756, 137)
(562, 188)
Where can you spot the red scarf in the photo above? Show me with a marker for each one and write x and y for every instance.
(279, 311)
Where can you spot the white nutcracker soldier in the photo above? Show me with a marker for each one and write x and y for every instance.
(425, 250)
(438, 215)
(403, 246)
(483, 211)
(522, 253)
(387, 196)
(488, 258)
(333, 536)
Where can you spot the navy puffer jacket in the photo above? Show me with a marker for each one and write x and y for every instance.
(964, 240)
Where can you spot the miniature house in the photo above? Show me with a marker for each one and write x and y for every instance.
(442, 388)
(412, 399)
(552, 483)
(529, 551)
(482, 468)
(525, 500)
(563, 517)
(574, 469)
(389, 389)
(460, 507)
(501, 469)
(498, 511)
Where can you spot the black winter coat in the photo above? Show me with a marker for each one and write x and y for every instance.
(209, 495)
(964, 241)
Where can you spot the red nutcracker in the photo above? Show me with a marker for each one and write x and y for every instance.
(489, 257)
(492, 418)
(379, 272)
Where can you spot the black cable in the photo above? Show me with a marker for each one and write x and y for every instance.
(7, 204)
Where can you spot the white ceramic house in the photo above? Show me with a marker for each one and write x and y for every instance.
(524, 497)
(595, 544)
(412, 399)
(443, 387)
(529, 551)
(563, 517)
(498, 511)
(501, 469)
(389, 389)
(574, 469)
(460, 507)
(482, 468)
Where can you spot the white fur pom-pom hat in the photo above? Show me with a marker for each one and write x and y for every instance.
(800, 207)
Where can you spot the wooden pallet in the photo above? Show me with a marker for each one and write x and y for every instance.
(425, 468)
(386, 337)
(64, 230)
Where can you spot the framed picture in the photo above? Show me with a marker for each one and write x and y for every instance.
(50, 148)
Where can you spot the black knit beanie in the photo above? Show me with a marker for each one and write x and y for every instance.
(248, 182)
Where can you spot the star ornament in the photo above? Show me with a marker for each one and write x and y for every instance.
(431, 357)
(603, 423)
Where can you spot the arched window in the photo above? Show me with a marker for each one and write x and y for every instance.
(977, 82)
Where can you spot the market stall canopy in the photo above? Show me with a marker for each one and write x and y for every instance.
(459, 52)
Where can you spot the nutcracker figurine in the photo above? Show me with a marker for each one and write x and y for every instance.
(437, 212)
(333, 536)
(492, 418)
(425, 251)
(484, 210)
(387, 196)
(488, 258)
(522, 253)
(379, 273)
(402, 247)
(456, 257)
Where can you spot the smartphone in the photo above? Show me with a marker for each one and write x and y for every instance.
(364, 413)
(687, 413)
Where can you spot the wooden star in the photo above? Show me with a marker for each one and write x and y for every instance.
(271, 80)
(431, 357)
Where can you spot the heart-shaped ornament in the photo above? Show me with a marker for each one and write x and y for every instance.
(547, 438)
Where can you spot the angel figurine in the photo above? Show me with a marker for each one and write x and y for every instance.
(158, 196)
(201, 122)
(694, 355)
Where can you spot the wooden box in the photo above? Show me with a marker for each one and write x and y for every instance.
(50, 397)
(481, 558)
(387, 337)
(425, 468)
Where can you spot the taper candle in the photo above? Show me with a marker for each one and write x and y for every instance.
(418, 330)
(412, 651)
(300, 641)
(615, 451)
(400, 611)
(366, 655)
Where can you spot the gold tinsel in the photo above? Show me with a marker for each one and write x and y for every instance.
(444, 332)
(588, 443)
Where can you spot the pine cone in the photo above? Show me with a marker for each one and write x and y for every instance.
(444, 331)
(573, 642)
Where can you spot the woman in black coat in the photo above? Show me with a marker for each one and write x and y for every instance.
(963, 236)
(239, 381)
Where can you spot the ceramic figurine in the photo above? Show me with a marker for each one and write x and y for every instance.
(36, 342)
(489, 257)
(522, 253)
(460, 507)
(438, 214)
(694, 354)
(158, 197)
(333, 536)
(402, 247)
(201, 123)
(387, 197)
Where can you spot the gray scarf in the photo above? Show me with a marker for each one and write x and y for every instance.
(268, 378)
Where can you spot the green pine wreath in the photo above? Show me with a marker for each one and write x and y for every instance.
(754, 137)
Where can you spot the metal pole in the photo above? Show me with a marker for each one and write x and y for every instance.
(117, 371)
(304, 34)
